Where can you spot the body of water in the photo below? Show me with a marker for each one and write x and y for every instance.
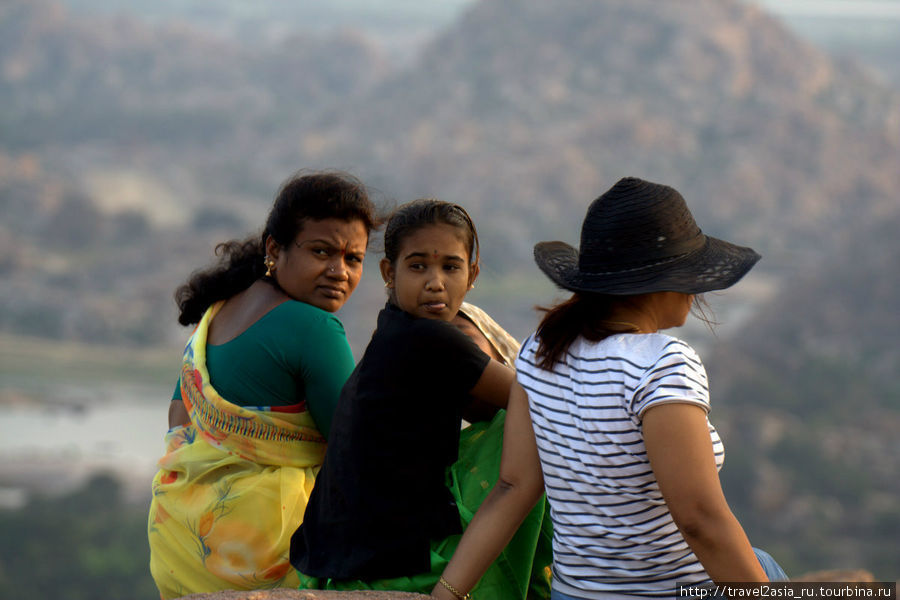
(53, 446)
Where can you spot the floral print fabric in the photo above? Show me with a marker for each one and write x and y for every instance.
(230, 490)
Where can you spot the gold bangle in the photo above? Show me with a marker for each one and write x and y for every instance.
(453, 590)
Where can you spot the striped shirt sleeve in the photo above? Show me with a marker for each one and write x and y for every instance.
(677, 375)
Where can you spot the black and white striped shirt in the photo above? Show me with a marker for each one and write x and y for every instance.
(612, 532)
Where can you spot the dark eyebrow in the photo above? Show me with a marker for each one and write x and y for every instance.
(315, 241)
(330, 244)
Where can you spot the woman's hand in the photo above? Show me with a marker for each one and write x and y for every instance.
(441, 591)
(681, 455)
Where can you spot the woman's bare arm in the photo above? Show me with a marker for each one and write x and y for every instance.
(178, 415)
(681, 455)
(517, 490)
(477, 409)
(493, 387)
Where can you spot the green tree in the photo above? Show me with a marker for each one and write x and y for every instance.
(89, 544)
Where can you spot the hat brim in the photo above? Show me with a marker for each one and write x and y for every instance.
(714, 266)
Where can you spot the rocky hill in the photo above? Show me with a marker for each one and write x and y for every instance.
(67, 79)
(811, 409)
(126, 147)
(542, 106)
(523, 111)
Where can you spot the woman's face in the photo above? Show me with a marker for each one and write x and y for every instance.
(431, 274)
(323, 264)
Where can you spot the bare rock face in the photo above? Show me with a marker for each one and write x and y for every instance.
(287, 594)
(837, 575)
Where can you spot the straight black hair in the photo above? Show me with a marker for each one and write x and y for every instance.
(417, 214)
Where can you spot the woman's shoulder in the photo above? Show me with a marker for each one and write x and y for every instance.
(658, 342)
(663, 352)
(420, 340)
(653, 347)
(643, 349)
(398, 323)
(296, 313)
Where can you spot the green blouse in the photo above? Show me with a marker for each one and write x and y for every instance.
(294, 353)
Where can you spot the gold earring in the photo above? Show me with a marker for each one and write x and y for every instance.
(269, 262)
(389, 283)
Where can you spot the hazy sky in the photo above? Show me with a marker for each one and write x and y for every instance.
(884, 9)
(436, 11)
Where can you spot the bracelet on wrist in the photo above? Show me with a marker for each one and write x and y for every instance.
(459, 595)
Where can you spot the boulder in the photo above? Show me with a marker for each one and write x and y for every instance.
(289, 594)
(837, 575)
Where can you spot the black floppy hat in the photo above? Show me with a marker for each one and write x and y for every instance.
(639, 237)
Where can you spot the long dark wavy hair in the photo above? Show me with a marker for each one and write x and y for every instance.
(317, 195)
(588, 315)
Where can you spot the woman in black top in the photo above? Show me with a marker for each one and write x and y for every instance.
(382, 513)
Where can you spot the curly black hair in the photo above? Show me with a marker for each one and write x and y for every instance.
(317, 196)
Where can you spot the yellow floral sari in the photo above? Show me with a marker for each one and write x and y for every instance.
(230, 490)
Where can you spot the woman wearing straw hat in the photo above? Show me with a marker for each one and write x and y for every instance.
(610, 416)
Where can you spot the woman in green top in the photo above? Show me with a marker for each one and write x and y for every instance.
(260, 378)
